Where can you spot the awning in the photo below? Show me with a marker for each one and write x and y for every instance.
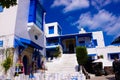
(31, 43)
(18, 43)
(91, 54)
(24, 42)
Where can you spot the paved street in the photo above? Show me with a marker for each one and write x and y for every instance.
(109, 77)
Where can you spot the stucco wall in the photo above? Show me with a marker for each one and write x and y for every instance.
(98, 35)
(104, 50)
(21, 28)
(55, 24)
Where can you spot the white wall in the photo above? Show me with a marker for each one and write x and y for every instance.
(14, 21)
(7, 25)
(22, 19)
(21, 29)
(55, 24)
(8, 40)
(104, 50)
(98, 35)
(7, 20)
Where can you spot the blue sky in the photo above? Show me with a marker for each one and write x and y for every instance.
(93, 15)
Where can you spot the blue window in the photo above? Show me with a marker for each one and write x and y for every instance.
(51, 30)
(1, 9)
(95, 42)
(39, 15)
(113, 55)
(36, 13)
(1, 43)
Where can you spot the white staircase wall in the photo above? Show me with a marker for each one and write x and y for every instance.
(67, 63)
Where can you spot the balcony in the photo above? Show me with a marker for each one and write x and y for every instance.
(34, 27)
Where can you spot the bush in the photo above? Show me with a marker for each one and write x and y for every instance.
(81, 54)
(7, 64)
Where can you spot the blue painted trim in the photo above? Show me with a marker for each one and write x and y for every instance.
(76, 39)
(36, 13)
(32, 11)
(18, 43)
(1, 43)
(59, 40)
(91, 54)
(112, 55)
(1, 9)
(95, 42)
(72, 36)
(31, 43)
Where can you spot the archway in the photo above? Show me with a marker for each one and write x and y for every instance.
(25, 62)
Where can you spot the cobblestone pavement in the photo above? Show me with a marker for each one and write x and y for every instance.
(108, 77)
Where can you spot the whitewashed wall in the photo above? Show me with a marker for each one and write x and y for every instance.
(7, 25)
(7, 20)
(14, 21)
(55, 24)
(22, 19)
(98, 35)
(8, 40)
(104, 50)
(21, 29)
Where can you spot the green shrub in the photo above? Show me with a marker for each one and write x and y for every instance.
(7, 64)
(81, 54)
(57, 52)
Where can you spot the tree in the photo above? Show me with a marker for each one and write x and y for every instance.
(82, 56)
(8, 3)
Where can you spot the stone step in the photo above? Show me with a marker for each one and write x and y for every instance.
(67, 63)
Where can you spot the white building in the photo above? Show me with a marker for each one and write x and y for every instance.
(22, 31)
(94, 42)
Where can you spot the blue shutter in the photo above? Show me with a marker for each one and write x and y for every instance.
(1, 43)
(1, 9)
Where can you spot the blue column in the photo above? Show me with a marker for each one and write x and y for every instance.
(59, 40)
(76, 38)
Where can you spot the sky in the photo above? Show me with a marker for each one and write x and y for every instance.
(92, 15)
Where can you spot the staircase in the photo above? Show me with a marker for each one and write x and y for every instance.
(64, 68)
(58, 69)
(66, 64)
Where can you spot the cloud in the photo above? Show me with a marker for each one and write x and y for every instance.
(99, 4)
(58, 3)
(70, 5)
(76, 4)
(103, 20)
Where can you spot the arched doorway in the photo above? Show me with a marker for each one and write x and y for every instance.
(25, 62)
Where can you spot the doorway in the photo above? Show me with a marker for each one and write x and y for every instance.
(69, 45)
(25, 62)
(71, 48)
